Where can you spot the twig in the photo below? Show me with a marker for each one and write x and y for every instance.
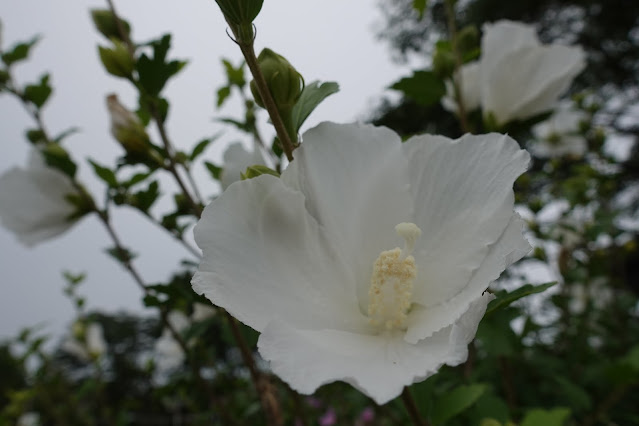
(411, 407)
(457, 78)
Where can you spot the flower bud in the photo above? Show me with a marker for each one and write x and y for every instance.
(282, 79)
(105, 22)
(240, 15)
(117, 61)
(126, 127)
(258, 170)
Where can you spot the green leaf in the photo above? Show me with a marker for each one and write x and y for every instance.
(222, 94)
(104, 173)
(137, 178)
(455, 402)
(420, 7)
(19, 52)
(215, 171)
(504, 299)
(155, 72)
(121, 255)
(539, 417)
(55, 156)
(312, 95)
(424, 87)
(117, 61)
(38, 93)
(146, 198)
(199, 148)
(106, 24)
(235, 75)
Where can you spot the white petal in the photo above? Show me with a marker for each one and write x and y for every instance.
(236, 161)
(95, 339)
(504, 37)
(356, 187)
(466, 202)
(511, 246)
(265, 258)
(32, 203)
(379, 366)
(470, 88)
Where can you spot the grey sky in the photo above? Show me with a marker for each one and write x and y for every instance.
(326, 40)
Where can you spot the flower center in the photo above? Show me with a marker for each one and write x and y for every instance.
(391, 291)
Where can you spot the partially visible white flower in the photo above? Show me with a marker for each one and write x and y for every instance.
(236, 161)
(312, 260)
(470, 89)
(169, 353)
(517, 76)
(202, 312)
(559, 135)
(32, 201)
(29, 419)
(86, 343)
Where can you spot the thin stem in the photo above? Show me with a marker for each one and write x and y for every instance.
(411, 407)
(507, 383)
(176, 235)
(457, 78)
(280, 128)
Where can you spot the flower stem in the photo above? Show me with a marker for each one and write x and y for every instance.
(411, 407)
(248, 51)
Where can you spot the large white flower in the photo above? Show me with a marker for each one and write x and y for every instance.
(32, 201)
(518, 77)
(236, 161)
(313, 260)
(559, 135)
(169, 353)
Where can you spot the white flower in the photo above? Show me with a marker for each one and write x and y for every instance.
(32, 201)
(469, 86)
(202, 312)
(558, 136)
(87, 343)
(236, 160)
(517, 76)
(29, 419)
(312, 261)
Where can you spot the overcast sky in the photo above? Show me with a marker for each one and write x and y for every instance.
(329, 40)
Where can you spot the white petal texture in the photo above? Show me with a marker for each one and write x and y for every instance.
(32, 201)
(559, 135)
(236, 160)
(297, 258)
(517, 76)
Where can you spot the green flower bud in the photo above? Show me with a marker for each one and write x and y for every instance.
(282, 79)
(78, 330)
(126, 127)
(443, 59)
(258, 170)
(105, 23)
(117, 61)
(240, 15)
(467, 39)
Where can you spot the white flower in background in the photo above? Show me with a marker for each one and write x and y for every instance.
(29, 419)
(236, 160)
(169, 353)
(87, 343)
(32, 201)
(314, 260)
(202, 312)
(597, 292)
(559, 135)
(469, 86)
(517, 76)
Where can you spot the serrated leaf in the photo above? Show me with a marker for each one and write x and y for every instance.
(107, 175)
(19, 52)
(312, 95)
(455, 402)
(38, 93)
(424, 87)
(504, 299)
(539, 417)
(154, 72)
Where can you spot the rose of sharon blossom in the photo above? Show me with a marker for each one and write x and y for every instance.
(367, 261)
(559, 135)
(236, 161)
(32, 201)
(517, 77)
(169, 353)
(88, 343)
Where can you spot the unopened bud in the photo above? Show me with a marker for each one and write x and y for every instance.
(78, 330)
(126, 127)
(282, 79)
(105, 22)
(258, 170)
(240, 15)
(117, 61)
